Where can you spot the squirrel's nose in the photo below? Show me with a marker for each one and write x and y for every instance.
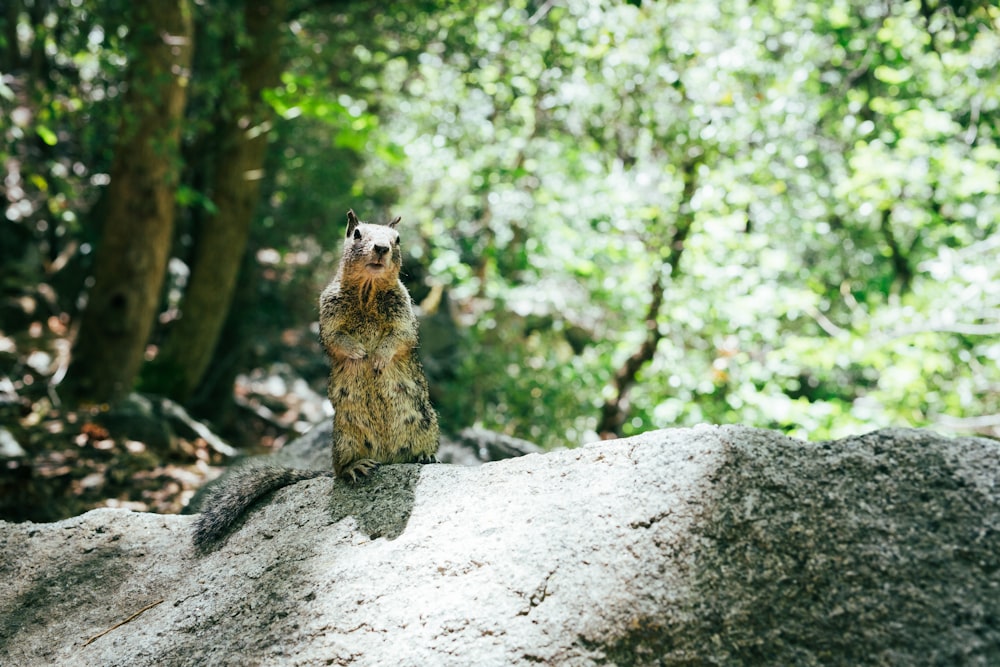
(380, 250)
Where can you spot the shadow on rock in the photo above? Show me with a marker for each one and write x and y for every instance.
(381, 506)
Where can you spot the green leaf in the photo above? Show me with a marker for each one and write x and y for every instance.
(46, 135)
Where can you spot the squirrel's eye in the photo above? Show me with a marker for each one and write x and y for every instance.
(396, 241)
(357, 234)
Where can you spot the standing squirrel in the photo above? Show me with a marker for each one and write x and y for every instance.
(382, 411)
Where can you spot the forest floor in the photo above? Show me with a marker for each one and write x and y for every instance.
(145, 453)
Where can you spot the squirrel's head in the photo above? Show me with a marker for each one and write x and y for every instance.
(372, 252)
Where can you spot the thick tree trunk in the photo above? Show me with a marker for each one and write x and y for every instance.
(136, 237)
(222, 237)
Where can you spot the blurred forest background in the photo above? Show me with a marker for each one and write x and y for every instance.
(618, 216)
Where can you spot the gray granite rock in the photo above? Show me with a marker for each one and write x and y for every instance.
(713, 545)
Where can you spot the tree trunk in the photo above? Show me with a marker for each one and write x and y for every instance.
(10, 56)
(222, 236)
(900, 263)
(135, 242)
(615, 410)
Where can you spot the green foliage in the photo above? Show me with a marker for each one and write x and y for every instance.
(847, 174)
(59, 80)
(842, 157)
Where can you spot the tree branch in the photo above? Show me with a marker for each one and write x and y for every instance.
(900, 263)
(614, 412)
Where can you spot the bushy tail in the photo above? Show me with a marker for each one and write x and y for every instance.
(232, 497)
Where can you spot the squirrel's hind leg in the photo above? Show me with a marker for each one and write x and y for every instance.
(356, 471)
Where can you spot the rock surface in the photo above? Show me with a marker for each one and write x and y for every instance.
(714, 545)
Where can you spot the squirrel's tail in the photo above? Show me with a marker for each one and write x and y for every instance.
(228, 500)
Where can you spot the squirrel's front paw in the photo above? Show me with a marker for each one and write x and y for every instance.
(355, 353)
(381, 359)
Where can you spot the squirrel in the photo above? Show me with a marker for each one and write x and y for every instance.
(382, 410)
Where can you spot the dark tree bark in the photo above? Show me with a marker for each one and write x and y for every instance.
(900, 262)
(10, 56)
(135, 244)
(36, 63)
(235, 189)
(615, 410)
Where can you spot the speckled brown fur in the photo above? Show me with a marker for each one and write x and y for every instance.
(377, 386)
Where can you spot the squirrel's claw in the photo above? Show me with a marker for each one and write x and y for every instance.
(359, 470)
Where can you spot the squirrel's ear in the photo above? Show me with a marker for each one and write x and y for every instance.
(392, 225)
(352, 222)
